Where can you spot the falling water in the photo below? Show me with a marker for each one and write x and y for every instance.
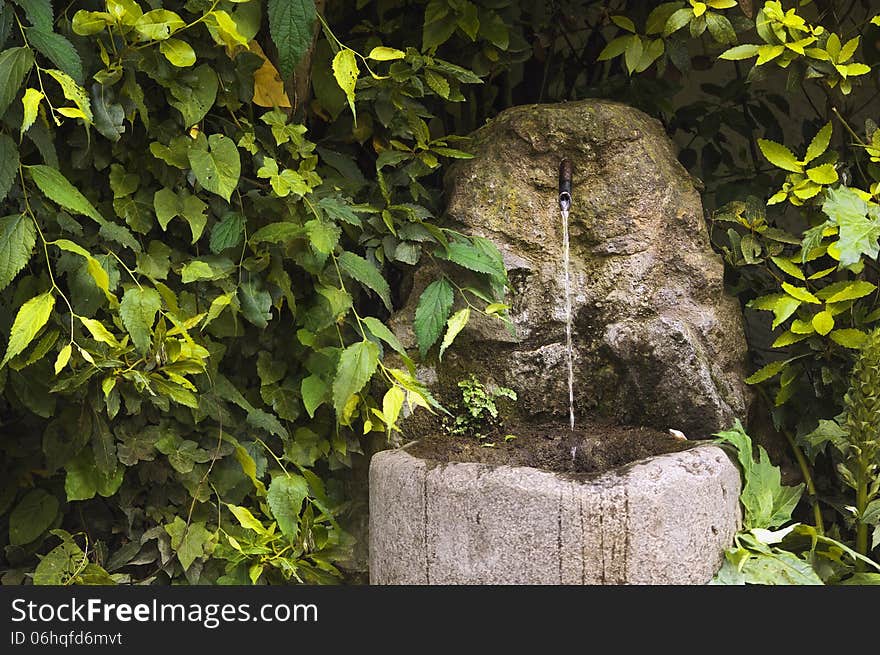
(564, 207)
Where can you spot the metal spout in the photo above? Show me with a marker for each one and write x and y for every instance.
(565, 170)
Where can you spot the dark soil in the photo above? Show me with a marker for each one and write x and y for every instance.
(593, 447)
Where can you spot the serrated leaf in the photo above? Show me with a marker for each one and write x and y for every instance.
(33, 515)
(454, 326)
(285, 498)
(464, 254)
(766, 372)
(190, 542)
(73, 92)
(29, 320)
(218, 168)
(438, 84)
(849, 338)
(788, 267)
(780, 156)
(852, 291)
(323, 235)
(246, 519)
(800, 293)
(367, 274)
(824, 174)
(819, 143)
(256, 304)
(291, 24)
(378, 329)
(138, 313)
(357, 363)
(345, 72)
(178, 52)
(14, 66)
(30, 106)
(314, 393)
(431, 313)
(9, 162)
(227, 233)
(59, 50)
(58, 189)
(17, 239)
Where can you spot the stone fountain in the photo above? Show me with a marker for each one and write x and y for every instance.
(656, 343)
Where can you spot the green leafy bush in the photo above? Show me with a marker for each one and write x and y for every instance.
(476, 412)
(196, 266)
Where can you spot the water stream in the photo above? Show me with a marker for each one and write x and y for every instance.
(565, 175)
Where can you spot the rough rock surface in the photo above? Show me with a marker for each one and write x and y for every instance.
(657, 342)
(663, 520)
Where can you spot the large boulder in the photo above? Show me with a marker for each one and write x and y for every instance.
(657, 342)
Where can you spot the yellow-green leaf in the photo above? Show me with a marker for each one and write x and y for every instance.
(158, 25)
(98, 331)
(392, 403)
(32, 316)
(800, 293)
(819, 144)
(823, 322)
(766, 372)
(824, 174)
(788, 267)
(73, 92)
(178, 52)
(246, 519)
(63, 358)
(852, 291)
(787, 338)
(345, 71)
(31, 101)
(780, 156)
(382, 53)
(454, 325)
(849, 338)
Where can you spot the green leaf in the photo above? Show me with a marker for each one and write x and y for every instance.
(858, 233)
(60, 565)
(766, 372)
(778, 567)
(218, 168)
(138, 313)
(433, 308)
(190, 542)
(57, 188)
(852, 291)
(345, 71)
(357, 363)
(33, 515)
(8, 166)
(285, 498)
(14, 66)
(291, 24)
(740, 52)
(382, 53)
(824, 174)
(194, 94)
(247, 519)
(178, 52)
(32, 316)
(314, 393)
(256, 304)
(227, 233)
(819, 144)
(767, 504)
(17, 239)
(677, 20)
(615, 48)
(158, 25)
(367, 274)
(381, 331)
(720, 28)
(823, 322)
(73, 92)
(454, 325)
(849, 338)
(87, 23)
(277, 232)
(474, 259)
(800, 293)
(38, 12)
(323, 235)
(83, 480)
(787, 266)
(59, 50)
(780, 156)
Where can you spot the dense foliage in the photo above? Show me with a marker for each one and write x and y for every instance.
(210, 209)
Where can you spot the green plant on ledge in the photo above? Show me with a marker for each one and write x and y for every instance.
(476, 413)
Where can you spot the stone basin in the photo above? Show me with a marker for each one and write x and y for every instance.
(665, 519)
